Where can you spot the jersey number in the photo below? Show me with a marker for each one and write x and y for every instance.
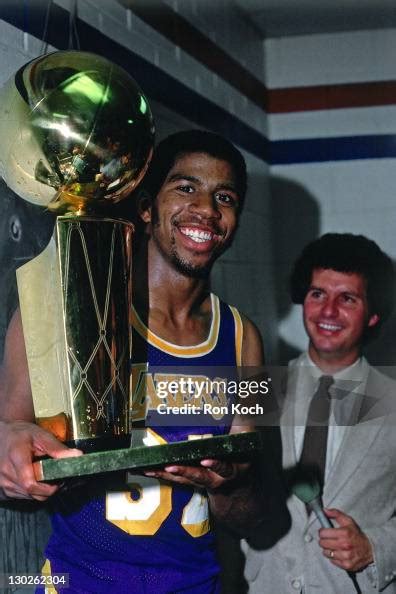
(142, 510)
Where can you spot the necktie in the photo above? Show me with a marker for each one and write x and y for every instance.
(313, 456)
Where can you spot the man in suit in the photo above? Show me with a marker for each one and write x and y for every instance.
(345, 284)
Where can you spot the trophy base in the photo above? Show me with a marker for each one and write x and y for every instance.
(239, 447)
(100, 444)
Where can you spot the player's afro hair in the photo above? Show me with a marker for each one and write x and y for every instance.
(193, 141)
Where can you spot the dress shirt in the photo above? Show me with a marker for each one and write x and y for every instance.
(346, 392)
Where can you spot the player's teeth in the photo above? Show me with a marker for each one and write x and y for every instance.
(196, 235)
(329, 327)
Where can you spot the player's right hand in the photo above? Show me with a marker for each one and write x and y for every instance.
(20, 442)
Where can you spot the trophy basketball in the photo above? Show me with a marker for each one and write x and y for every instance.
(77, 136)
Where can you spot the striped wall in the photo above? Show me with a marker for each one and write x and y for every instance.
(332, 137)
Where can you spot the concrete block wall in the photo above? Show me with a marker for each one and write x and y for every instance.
(332, 151)
(214, 20)
(221, 21)
(16, 48)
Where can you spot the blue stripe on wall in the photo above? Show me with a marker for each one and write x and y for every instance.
(155, 83)
(343, 148)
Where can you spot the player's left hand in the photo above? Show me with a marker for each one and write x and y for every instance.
(210, 474)
(346, 546)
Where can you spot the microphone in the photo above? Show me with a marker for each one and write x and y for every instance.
(308, 491)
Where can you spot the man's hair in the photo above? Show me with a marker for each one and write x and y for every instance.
(193, 141)
(345, 252)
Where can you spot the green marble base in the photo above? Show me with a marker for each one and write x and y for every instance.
(239, 446)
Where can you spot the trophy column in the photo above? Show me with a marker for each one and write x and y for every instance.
(75, 302)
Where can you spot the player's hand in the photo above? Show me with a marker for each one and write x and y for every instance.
(211, 475)
(20, 442)
(346, 546)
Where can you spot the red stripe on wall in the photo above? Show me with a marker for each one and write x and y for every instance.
(182, 33)
(331, 97)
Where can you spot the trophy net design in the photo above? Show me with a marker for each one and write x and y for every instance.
(98, 351)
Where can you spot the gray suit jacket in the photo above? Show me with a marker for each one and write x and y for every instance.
(361, 483)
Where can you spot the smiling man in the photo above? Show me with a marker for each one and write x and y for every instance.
(188, 228)
(152, 534)
(336, 317)
(345, 284)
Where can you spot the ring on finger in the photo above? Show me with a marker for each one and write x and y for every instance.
(331, 554)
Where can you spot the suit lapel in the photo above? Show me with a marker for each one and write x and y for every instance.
(288, 422)
(288, 418)
(352, 452)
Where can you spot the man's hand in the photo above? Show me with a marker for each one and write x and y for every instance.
(346, 546)
(211, 475)
(20, 442)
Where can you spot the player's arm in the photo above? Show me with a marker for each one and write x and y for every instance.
(15, 394)
(237, 501)
(234, 488)
(252, 361)
(20, 438)
(252, 345)
(252, 357)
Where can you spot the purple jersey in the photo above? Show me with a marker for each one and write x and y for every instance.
(142, 535)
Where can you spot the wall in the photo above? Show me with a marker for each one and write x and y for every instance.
(332, 128)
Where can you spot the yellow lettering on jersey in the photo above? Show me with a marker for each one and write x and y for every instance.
(138, 391)
(141, 510)
(195, 518)
(150, 391)
(46, 570)
(176, 397)
(144, 394)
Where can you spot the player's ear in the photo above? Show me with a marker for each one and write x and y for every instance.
(145, 206)
(373, 320)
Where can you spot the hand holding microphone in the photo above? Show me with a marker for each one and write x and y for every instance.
(346, 546)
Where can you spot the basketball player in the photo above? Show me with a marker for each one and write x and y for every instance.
(152, 534)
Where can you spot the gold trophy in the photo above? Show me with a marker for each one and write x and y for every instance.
(77, 137)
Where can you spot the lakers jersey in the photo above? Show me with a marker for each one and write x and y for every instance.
(146, 536)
